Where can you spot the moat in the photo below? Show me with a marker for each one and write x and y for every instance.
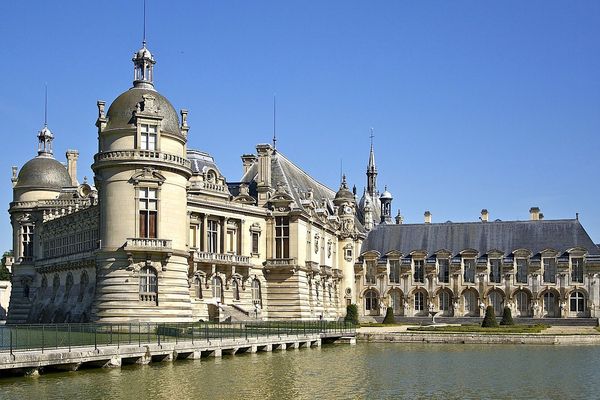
(367, 370)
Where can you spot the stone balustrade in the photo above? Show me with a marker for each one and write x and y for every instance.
(148, 244)
(142, 155)
(220, 258)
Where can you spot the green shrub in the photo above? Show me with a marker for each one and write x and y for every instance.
(389, 316)
(489, 321)
(507, 317)
(351, 314)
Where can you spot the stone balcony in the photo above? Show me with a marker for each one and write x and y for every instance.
(220, 258)
(148, 244)
(280, 264)
(142, 155)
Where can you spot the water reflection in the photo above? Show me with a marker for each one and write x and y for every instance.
(365, 371)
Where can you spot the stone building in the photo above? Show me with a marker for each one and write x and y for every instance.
(162, 235)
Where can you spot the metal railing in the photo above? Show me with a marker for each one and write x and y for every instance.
(43, 337)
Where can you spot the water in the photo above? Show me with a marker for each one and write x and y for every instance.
(365, 371)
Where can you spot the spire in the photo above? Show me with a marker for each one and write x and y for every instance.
(45, 136)
(274, 122)
(143, 63)
(372, 170)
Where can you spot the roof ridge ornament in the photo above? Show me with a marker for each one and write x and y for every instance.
(45, 136)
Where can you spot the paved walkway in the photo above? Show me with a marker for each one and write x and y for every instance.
(553, 330)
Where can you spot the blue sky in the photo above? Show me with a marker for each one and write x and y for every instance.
(474, 104)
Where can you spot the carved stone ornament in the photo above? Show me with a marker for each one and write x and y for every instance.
(148, 174)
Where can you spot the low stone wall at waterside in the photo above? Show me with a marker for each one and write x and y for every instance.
(476, 338)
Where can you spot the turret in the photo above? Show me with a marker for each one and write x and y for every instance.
(386, 207)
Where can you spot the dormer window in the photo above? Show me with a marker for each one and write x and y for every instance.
(148, 137)
(550, 270)
(577, 269)
(495, 270)
(419, 271)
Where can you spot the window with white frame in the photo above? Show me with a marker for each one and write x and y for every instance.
(148, 137)
(469, 272)
(444, 270)
(419, 275)
(148, 285)
(212, 229)
(282, 237)
(521, 270)
(27, 241)
(394, 271)
(550, 270)
(577, 269)
(495, 270)
(256, 294)
(255, 242)
(148, 209)
(371, 273)
(419, 301)
(217, 289)
(577, 302)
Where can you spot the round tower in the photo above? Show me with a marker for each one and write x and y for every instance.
(141, 172)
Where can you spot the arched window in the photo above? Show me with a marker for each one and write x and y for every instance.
(371, 301)
(549, 304)
(497, 301)
(470, 299)
(83, 282)
(522, 299)
(68, 286)
(236, 289)
(577, 302)
(444, 300)
(217, 289)
(198, 288)
(55, 286)
(148, 285)
(256, 294)
(419, 301)
(44, 284)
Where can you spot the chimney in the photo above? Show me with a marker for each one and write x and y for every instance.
(534, 214)
(485, 215)
(265, 153)
(72, 156)
(248, 160)
(427, 217)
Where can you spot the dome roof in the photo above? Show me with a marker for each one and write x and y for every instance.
(43, 173)
(120, 112)
(143, 53)
(386, 195)
(343, 194)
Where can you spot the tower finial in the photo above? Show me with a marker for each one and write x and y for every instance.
(274, 121)
(372, 136)
(46, 106)
(144, 30)
(371, 169)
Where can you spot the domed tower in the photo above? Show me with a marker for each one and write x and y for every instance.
(386, 206)
(141, 172)
(41, 178)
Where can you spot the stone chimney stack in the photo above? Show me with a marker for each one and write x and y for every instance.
(485, 215)
(427, 217)
(265, 153)
(534, 214)
(399, 218)
(72, 156)
(248, 160)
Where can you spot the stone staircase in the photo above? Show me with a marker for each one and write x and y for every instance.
(234, 314)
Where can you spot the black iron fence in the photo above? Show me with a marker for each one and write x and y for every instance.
(43, 337)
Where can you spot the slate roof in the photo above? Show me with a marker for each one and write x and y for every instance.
(200, 160)
(292, 176)
(505, 236)
(43, 172)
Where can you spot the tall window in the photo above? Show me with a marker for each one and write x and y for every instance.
(419, 271)
(577, 302)
(236, 290)
(148, 137)
(27, 241)
(395, 271)
(282, 237)
(256, 295)
(55, 286)
(444, 272)
(470, 299)
(495, 270)
(148, 285)
(550, 270)
(444, 298)
(577, 270)
(521, 270)
(469, 275)
(255, 237)
(217, 289)
(371, 273)
(68, 286)
(231, 241)
(211, 234)
(148, 213)
(83, 282)
(419, 301)
(194, 236)
(371, 301)
(522, 303)
(549, 304)
(497, 301)
(396, 300)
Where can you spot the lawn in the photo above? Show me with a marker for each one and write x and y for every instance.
(478, 329)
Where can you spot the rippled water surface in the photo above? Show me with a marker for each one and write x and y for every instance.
(365, 371)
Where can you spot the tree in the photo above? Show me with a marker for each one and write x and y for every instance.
(507, 317)
(389, 316)
(351, 314)
(489, 321)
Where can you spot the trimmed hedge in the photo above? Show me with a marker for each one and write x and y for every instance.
(389, 316)
(351, 314)
(489, 321)
(507, 317)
